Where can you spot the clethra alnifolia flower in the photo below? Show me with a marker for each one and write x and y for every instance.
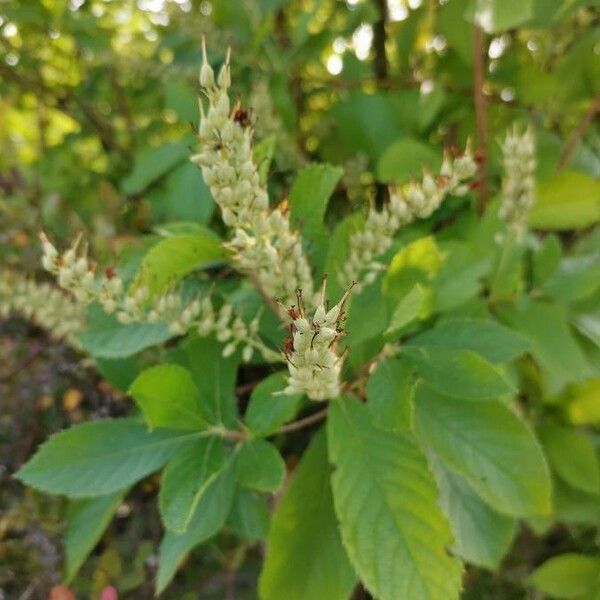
(311, 349)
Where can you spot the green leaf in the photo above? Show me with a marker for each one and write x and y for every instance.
(546, 259)
(405, 159)
(488, 338)
(268, 410)
(86, 522)
(496, 16)
(210, 515)
(576, 278)
(568, 576)
(415, 305)
(152, 163)
(459, 373)
(389, 394)
(553, 344)
(573, 456)
(386, 502)
(305, 558)
(489, 447)
(213, 375)
(569, 200)
(99, 457)
(258, 465)
(105, 337)
(482, 536)
(308, 200)
(186, 478)
(168, 397)
(182, 99)
(249, 518)
(119, 372)
(174, 257)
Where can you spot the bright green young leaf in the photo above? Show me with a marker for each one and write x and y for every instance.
(573, 456)
(249, 518)
(569, 200)
(210, 515)
(569, 576)
(174, 257)
(386, 502)
(100, 457)
(186, 478)
(489, 447)
(415, 305)
(86, 522)
(305, 558)
(459, 373)
(405, 159)
(258, 465)
(583, 407)
(213, 375)
(268, 409)
(168, 397)
(105, 337)
(488, 338)
(153, 163)
(389, 394)
(482, 536)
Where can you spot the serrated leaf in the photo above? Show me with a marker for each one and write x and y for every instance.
(168, 397)
(86, 522)
(386, 502)
(482, 536)
(389, 394)
(305, 559)
(258, 465)
(105, 337)
(488, 338)
(249, 518)
(268, 409)
(213, 375)
(459, 373)
(174, 257)
(210, 515)
(573, 456)
(489, 447)
(186, 478)
(568, 576)
(100, 457)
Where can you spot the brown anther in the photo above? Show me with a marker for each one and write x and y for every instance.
(241, 116)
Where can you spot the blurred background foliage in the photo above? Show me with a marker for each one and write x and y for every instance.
(98, 106)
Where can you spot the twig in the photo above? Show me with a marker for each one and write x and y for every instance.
(379, 41)
(567, 154)
(480, 120)
(302, 423)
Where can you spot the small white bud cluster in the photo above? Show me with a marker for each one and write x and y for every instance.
(42, 304)
(267, 122)
(311, 350)
(418, 199)
(518, 184)
(263, 241)
(137, 305)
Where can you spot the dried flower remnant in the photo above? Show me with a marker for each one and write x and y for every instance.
(312, 348)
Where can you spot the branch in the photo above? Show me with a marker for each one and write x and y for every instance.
(480, 119)
(379, 41)
(577, 135)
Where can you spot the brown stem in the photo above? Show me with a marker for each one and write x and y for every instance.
(480, 118)
(577, 135)
(379, 40)
(302, 423)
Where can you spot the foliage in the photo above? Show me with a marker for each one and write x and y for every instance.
(450, 424)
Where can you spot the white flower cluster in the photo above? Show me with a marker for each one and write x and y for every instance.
(311, 349)
(518, 184)
(42, 304)
(263, 241)
(418, 199)
(267, 123)
(76, 274)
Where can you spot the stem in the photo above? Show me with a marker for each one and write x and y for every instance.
(577, 135)
(379, 40)
(301, 423)
(480, 118)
